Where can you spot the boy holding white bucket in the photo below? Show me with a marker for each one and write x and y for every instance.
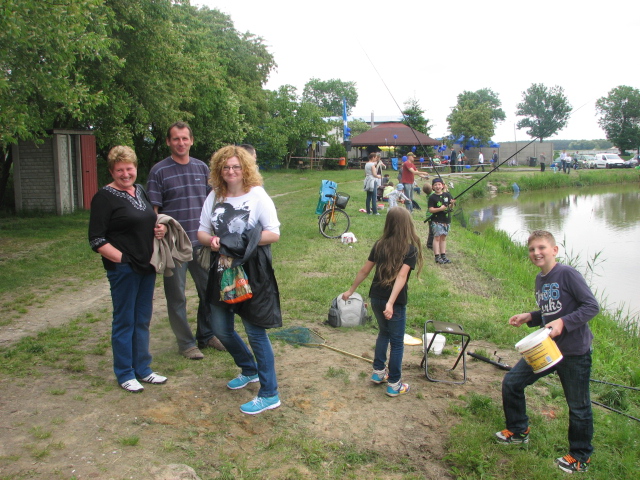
(566, 305)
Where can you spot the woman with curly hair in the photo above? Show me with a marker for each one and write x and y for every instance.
(239, 222)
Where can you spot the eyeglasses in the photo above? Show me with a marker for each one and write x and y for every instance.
(235, 168)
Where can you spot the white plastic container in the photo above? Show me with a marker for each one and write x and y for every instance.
(438, 343)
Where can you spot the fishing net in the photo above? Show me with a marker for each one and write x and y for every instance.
(309, 338)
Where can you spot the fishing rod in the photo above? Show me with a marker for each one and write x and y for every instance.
(504, 366)
(614, 384)
(516, 153)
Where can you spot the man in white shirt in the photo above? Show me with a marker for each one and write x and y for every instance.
(480, 162)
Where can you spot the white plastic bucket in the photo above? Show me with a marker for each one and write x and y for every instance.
(539, 350)
(438, 343)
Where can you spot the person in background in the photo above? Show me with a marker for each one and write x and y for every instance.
(122, 226)
(440, 204)
(397, 195)
(178, 187)
(388, 189)
(394, 254)
(543, 161)
(480, 162)
(371, 183)
(563, 161)
(239, 221)
(566, 304)
(381, 188)
(494, 160)
(453, 161)
(461, 159)
(408, 178)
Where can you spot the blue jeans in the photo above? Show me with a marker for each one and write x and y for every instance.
(263, 364)
(408, 191)
(371, 203)
(574, 372)
(391, 332)
(132, 297)
(174, 291)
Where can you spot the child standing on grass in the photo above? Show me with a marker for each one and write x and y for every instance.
(394, 255)
(440, 203)
(397, 195)
(566, 305)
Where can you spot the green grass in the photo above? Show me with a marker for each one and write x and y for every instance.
(495, 280)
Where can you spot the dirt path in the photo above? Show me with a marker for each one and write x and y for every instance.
(65, 425)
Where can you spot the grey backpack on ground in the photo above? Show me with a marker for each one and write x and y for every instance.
(351, 313)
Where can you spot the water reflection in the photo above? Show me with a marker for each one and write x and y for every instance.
(587, 221)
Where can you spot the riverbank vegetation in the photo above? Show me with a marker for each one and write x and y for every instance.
(490, 279)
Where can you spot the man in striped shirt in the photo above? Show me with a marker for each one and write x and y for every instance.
(178, 187)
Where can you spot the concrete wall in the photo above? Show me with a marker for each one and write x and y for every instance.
(507, 149)
(33, 176)
(47, 175)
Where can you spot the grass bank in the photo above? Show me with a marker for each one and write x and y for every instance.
(490, 280)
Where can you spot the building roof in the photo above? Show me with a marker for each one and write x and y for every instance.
(392, 134)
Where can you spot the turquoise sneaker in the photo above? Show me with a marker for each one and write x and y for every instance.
(395, 389)
(242, 381)
(379, 376)
(260, 404)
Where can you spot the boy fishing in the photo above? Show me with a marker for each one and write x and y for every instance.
(566, 305)
(440, 204)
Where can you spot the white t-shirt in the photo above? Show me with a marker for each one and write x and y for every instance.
(237, 214)
(480, 158)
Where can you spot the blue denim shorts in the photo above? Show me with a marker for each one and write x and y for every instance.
(440, 229)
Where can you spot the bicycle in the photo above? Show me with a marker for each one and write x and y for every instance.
(334, 221)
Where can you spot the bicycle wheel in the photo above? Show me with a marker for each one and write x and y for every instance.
(334, 223)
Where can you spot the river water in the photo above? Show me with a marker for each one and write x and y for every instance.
(587, 222)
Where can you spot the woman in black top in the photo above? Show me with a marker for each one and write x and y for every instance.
(121, 229)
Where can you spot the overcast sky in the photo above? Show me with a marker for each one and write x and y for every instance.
(432, 51)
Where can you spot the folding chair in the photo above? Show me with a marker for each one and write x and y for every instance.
(445, 328)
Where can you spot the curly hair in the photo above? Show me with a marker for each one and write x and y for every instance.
(399, 232)
(250, 175)
(121, 153)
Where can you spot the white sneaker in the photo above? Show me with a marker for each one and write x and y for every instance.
(154, 378)
(132, 386)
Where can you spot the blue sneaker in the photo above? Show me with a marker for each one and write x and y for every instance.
(395, 389)
(242, 381)
(260, 404)
(379, 376)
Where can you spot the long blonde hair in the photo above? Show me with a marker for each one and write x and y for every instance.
(399, 232)
(250, 175)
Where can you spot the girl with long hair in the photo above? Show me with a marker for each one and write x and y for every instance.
(395, 254)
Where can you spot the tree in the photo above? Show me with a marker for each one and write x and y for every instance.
(356, 125)
(471, 119)
(620, 117)
(231, 69)
(291, 124)
(328, 95)
(42, 84)
(484, 96)
(546, 110)
(412, 116)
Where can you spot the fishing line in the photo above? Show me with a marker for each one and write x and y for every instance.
(424, 150)
(516, 153)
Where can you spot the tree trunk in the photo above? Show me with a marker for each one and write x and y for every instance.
(4, 176)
